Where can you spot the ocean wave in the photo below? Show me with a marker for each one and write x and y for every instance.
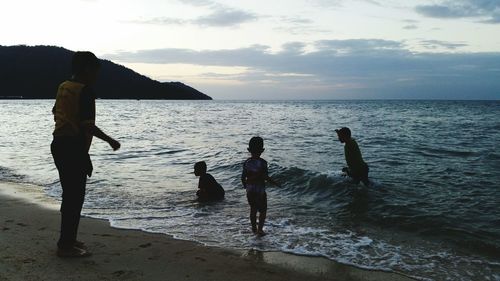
(441, 152)
(7, 174)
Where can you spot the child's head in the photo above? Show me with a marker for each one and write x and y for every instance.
(85, 66)
(256, 146)
(200, 168)
(344, 134)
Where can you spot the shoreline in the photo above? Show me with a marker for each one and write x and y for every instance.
(29, 229)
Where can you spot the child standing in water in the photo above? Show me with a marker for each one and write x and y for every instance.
(254, 177)
(357, 169)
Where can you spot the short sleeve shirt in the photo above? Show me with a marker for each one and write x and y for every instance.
(74, 106)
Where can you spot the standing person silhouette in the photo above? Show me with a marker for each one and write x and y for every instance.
(74, 116)
(254, 178)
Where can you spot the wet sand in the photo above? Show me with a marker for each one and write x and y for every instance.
(29, 228)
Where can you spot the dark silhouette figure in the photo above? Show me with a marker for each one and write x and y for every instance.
(74, 116)
(208, 188)
(356, 168)
(254, 177)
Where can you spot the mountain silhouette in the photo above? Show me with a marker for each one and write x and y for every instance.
(35, 72)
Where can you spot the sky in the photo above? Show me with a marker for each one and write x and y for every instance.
(281, 49)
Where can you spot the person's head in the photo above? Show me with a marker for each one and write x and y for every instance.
(344, 134)
(256, 146)
(85, 67)
(200, 168)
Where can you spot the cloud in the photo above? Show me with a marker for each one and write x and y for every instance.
(358, 45)
(295, 20)
(327, 3)
(225, 17)
(410, 26)
(296, 25)
(435, 44)
(486, 11)
(338, 3)
(219, 16)
(366, 68)
(197, 2)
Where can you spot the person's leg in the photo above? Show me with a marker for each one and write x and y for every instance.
(72, 178)
(78, 203)
(366, 182)
(73, 185)
(355, 180)
(364, 178)
(262, 212)
(253, 211)
(262, 220)
(253, 219)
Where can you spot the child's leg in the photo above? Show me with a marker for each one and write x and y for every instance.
(366, 182)
(364, 178)
(262, 212)
(356, 180)
(251, 197)
(253, 219)
(262, 220)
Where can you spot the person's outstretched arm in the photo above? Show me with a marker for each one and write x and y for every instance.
(87, 119)
(93, 130)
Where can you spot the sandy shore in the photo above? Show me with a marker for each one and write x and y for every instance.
(29, 226)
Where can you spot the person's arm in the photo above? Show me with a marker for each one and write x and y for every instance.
(87, 119)
(244, 176)
(93, 130)
(54, 112)
(201, 183)
(268, 178)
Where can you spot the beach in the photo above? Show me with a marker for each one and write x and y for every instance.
(29, 229)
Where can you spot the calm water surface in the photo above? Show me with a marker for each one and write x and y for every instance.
(433, 212)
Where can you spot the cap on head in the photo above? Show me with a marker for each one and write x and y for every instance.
(83, 61)
(256, 145)
(344, 131)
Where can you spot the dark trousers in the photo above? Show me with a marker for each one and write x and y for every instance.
(72, 163)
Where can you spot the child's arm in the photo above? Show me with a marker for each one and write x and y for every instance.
(268, 178)
(202, 183)
(244, 182)
(244, 177)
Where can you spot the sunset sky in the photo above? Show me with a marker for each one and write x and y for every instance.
(294, 49)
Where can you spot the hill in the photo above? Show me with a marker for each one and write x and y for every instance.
(35, 73)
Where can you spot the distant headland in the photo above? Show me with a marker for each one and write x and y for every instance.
(34, 72)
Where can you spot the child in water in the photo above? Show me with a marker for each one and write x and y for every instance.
(208, 188)
(356, 168)
(254, 177)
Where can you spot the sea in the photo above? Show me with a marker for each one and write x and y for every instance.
(432, 211)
